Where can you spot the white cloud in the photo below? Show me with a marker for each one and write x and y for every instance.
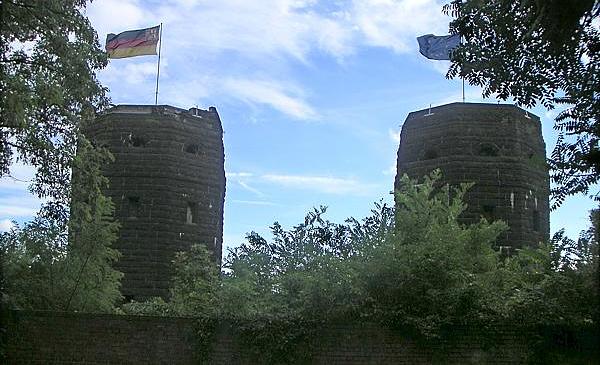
(472, 95)
(19, 179)
(250, 189)
(270, 93)
(15, 199)
(131, 73)
(254, 202)
(6, 225)
(241, 178)
(9, 183)
(322, 184)
(336, 38)
(394, 135)
(441, 67)
(277, 28)
(391, 171)
(551, 114)
(244, 50)
(238, 174)
(283, 28)
(186, 92)
(18, 206)
(396, 24)
(115, 16)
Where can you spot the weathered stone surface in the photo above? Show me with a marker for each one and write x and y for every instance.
(168, 186)
(85, 338)
(498, 147)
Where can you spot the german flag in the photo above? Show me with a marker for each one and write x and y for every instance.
(133, 43)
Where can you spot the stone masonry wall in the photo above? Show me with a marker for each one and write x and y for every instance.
(499, 148)
(78, 338)
(168, 186)
(74, 338)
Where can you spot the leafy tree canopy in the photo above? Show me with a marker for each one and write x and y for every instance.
(415, 267)
(48, 57)
(545, 51)
(42, 272)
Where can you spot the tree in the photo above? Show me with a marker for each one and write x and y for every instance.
(93, 283)
(49, 54)
(545, 51)
(194, 288)
(426, 271)
(42, 272)
(303, 270)
(279, 292)
(433, 271)
(195, 283)
(48, 57)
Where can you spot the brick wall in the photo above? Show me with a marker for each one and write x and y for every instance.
(72, 338)
(78, 338)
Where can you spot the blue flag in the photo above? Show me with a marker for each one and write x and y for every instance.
(438, 47)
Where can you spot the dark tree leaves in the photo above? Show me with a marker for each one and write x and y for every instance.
(544, 51)
(48, 57)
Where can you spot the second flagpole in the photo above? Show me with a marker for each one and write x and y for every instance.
(158, 67)
(461, 76)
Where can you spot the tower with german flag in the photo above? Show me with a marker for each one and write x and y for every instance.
(167, 181)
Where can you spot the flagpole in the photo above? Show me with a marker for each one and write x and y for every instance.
(158, 67)
(462, 76)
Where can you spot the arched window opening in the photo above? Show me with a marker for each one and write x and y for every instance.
(430, 154)
(536, 221)
(137, 141)
(191, 216)
(489, 213)
(191, 148)
(488, 149)
(133, 206)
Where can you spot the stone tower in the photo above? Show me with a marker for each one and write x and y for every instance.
(168, 186)
(498, 147)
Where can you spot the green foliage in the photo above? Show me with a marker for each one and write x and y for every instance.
(49, 54)
(194, 291)
(422, 270)
(92, 231)
(29, 258)
(545, 51)
(433, 271)
(413, 268)
(416, 267)
(302, 271)
(195, 283)
(43, 271)
(555, 284)
(156, 306)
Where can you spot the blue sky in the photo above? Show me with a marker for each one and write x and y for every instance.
(311, 95)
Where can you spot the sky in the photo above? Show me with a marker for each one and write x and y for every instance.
(311, 94)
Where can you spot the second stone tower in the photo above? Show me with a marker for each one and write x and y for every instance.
(499, 148)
